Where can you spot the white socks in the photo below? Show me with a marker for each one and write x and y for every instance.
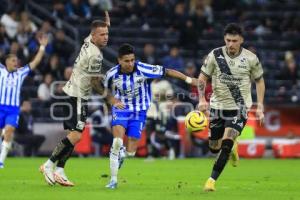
(114, 155)
(5, 147)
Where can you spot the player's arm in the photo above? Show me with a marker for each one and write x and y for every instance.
(38, 57)
(260, 92)
(97, 85)
(107, 18)
(202, 80)
(178, 75)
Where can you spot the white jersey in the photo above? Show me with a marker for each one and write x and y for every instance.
(231, 77)
(88, 64)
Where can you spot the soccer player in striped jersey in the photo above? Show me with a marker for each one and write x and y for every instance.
(11, 79)
(130, 81)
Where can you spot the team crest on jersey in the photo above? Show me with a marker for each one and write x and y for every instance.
(155, 68)
(231, 62)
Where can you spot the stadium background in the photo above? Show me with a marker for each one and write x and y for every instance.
(174, 33)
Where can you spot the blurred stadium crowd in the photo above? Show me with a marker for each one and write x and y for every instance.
(174, 33)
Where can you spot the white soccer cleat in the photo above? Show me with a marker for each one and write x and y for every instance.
(1, 165)
(48, 174)
(61, 178)
(112, 185)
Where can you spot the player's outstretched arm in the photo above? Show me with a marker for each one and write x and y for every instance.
(38, 57)
(260, 91)
(178, 75)
(99, 88)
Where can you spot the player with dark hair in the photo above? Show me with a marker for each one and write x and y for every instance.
(85, 77)
(231, 68)
(130, 81)
(11, 80)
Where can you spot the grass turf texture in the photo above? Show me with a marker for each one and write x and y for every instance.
(155, 180)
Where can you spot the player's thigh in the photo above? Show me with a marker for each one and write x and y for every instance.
(217, 128)
(120, 123)
(235, 121)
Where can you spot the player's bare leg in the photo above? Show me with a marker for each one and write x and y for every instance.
(118, 132)
(6, 143)
(230, 135)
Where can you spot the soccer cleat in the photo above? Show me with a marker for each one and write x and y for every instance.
(122, 155)
(209, 185)
(112, 185)
(48, 174)
(1, 165)
(234, 155)
(61, 178)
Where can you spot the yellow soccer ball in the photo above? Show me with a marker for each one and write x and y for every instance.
(195, 121)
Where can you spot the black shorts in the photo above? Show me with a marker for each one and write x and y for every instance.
(75, 110)
(221, 119)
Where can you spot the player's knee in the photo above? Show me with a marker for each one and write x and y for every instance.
(214, 146)
(130, 154)
(117, 144)
(227, 145)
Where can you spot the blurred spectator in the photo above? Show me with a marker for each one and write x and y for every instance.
(290, 70)
(149, 54)
(264, 27)
(26, 29)
(189, 36)
(44, 92)
(142, 11)
(203, 7)
(78, 10)
(10, 22)
(67, 73)
(61, 47)
(4, 43)
(179, 16)
(17, 50)
(54, 67)
(173, 60)
(58, 9)
(162, 11)
(24, 134)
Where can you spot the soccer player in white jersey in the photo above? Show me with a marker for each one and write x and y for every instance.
(85, 77)
(130, 81)
(11, 79)
(232, 68)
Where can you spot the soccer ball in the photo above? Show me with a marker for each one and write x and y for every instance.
(195, 121)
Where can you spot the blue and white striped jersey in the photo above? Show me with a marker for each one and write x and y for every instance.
(10, 85)
(133, 89)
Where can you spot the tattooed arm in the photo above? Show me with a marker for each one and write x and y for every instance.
(99, 88)
(201, 88)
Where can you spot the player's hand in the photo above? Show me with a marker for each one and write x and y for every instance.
(116, 103)
(260, 115)
(43, 40)
(203, 105)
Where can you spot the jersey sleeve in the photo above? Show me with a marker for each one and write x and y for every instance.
(151, 71)
(208, 65)
(107, 82)
(25, 70)
(256, 70)
(95, 64)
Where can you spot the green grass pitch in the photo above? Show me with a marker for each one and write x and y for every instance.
(160, 179)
